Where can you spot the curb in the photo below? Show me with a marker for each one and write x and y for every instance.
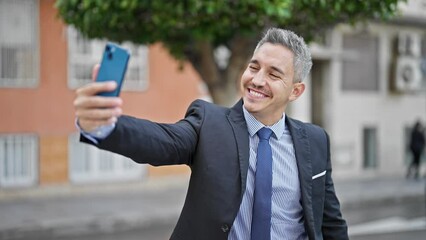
(381, 201)
(148, 185)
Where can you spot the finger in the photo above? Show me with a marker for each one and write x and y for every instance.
(82, 102)
(94, 88)
(95, 71)
(98, 114)
(88, 125)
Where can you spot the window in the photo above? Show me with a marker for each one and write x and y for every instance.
(18, 43)
(89, 164)
(84, 53)
(360, 66)
(18, 160)
(423, 61)
(370, 147)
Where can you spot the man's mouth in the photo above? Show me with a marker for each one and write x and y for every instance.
(257, 94)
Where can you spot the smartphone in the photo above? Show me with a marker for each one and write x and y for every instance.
(113, 67)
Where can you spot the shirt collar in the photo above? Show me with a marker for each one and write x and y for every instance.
(254, 125)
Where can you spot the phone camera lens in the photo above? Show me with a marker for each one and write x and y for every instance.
(109, 55)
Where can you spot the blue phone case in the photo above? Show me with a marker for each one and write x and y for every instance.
(113, 67)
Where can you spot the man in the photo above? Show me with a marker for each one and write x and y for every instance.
(243, 185)
(417, 145)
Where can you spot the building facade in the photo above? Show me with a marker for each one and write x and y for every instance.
(42, 62)
(367, 88)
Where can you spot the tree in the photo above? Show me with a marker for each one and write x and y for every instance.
(192, 30)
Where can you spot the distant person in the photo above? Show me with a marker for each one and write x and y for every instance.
(256, 174)
(417, 145)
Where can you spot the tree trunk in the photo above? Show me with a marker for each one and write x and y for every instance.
(223, 84)
(227, 93)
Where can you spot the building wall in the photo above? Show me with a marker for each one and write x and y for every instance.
(47, 110)
(387, 111)
(347, 113)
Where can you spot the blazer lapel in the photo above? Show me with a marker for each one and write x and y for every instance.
(304, 164)
(239, 127)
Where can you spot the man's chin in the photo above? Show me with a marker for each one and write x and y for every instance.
(252, 107)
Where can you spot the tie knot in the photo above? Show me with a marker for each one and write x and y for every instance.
(264, 133)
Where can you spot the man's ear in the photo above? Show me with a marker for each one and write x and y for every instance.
(298, 89)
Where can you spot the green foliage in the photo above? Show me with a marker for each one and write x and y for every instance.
(179, 24)
(313, 15)
(175, 23)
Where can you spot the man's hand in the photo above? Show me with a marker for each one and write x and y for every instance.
(93, 111)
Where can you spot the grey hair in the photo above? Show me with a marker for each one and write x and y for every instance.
(302, 56)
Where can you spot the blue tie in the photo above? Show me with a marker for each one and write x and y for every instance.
(261, 217)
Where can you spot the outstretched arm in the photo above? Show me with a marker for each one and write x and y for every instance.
(145, 141)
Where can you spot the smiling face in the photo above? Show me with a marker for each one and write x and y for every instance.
(267, 83)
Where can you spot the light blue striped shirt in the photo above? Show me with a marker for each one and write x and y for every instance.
(287, 216)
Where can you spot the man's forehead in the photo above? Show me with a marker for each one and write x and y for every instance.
(275, 55)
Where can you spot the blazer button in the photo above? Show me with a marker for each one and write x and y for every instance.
(225, 228)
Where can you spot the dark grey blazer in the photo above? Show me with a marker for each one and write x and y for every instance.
(213, 141)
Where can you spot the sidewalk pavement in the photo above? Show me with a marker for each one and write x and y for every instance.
(56, 211)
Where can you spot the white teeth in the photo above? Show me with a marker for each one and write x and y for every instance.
(256, 94)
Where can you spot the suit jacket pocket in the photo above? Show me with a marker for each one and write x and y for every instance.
(318, 184)
(321, 174)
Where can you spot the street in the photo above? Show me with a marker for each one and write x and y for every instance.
(387, 221)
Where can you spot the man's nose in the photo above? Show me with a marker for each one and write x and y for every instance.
(259, 79)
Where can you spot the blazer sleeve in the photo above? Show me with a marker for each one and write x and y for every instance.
(333, 226)
(154, 143)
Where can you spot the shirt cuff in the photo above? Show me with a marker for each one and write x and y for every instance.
(100, 133)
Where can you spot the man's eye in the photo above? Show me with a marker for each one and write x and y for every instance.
(275, 76)
(253, 67)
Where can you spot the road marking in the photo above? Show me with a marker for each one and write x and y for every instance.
(388, 225)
